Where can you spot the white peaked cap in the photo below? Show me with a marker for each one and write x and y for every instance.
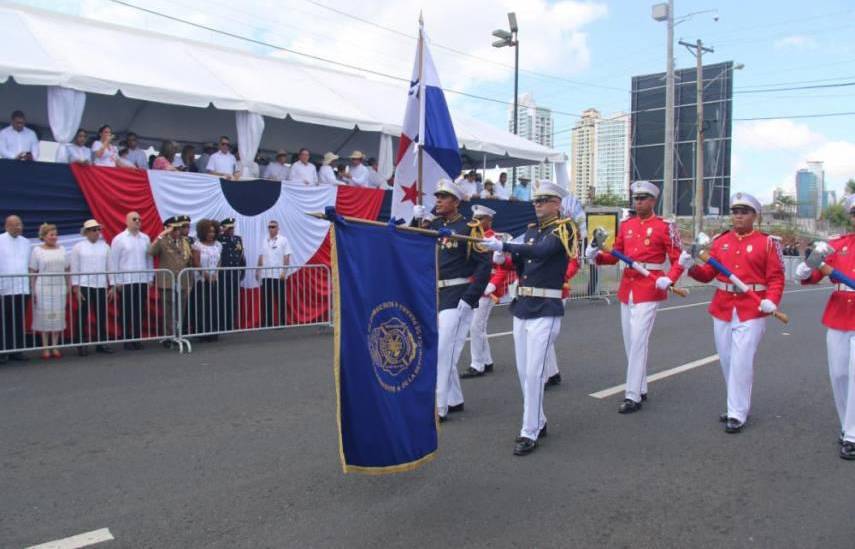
(546, 187)
(644, 187)
(745, 199)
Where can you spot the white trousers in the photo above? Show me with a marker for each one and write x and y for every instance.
(551, 361)
(532, 339)
(452, 328)
(841, 369)
(736, 343)
(479, 345)
(637, 322)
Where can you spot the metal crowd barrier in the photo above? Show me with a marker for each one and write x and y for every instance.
(51, 311)
(214, 300)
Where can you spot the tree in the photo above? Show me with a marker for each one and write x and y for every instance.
(850, 186)
(837, 216)
(610, 199)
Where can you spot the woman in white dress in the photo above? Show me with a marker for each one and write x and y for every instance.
(49, 296)
(104, 153)
(206, 256)
(77, 152)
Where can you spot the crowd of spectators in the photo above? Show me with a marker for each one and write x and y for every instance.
(43, 287)
(223, 160)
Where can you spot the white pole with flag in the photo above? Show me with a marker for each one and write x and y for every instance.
(428, 150)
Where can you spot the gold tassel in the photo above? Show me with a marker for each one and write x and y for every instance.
(475, 231)
(565, 230)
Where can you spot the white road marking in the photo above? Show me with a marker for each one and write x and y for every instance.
(80, 540)
(611, 391)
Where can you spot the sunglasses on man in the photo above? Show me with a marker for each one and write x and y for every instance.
(741, 211)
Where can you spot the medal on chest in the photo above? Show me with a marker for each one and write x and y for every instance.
(749, 248)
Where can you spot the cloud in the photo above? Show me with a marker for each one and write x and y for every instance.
(796, 41)
(839, 158)
(768, 135)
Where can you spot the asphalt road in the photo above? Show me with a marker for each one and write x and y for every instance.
(235, 445)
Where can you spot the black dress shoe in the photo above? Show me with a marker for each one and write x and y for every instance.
(488, 368)
(82, 351)
(553, 381)
(723, 418)
(629, 406)
(19, 357)
(524, 446)
(104, 350)
(458, 408)
(540, 435)
(471, 372)
(643, 397)
(733, 425)
(847, 451)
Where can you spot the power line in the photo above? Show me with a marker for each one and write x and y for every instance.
(316, 57)
(814, 87)
(782, 117)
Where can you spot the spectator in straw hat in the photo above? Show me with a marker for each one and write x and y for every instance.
(326, 175)
(278, 170)
(90, 261)
(357, 174)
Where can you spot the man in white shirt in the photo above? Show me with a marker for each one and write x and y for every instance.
(15, 290)
(303, 171)
(223, 163)
(502, 189)
(90, 259)
(357, 173)
(278, 170)
(202, 162)
(17, 141)
(134, 265)
(136, 155)
(275, 253)
(470, 188)
(374, 178)
(326, 175)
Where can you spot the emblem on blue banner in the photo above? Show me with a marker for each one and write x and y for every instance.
(395, 344)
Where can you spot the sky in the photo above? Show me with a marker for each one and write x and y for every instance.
(573, 55)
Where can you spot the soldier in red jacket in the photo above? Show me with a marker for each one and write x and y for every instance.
(649, 240)
(839, 318)
(738, 322)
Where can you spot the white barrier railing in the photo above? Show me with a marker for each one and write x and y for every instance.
(50, 311)
(215, 301)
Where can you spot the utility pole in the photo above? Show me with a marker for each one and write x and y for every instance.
(668, 160)
(698, 50)
(510, 39)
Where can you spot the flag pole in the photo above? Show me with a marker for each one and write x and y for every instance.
(420, 95)
(404, 228)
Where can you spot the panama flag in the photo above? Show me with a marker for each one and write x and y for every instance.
(427, 126)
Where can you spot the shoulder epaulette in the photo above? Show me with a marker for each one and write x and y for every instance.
(775, 237)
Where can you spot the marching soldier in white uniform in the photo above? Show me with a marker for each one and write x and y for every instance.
(541, 262)
(464, 269)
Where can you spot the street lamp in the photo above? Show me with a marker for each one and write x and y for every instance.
(509, 39)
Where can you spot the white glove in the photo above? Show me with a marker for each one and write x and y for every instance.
(493, 244)
(663, 282)
(419, 211)
(463, 306)
(590, 253)
(489, 289)
(803, 272)
(767, 307)
(686, 260)
(499, 257)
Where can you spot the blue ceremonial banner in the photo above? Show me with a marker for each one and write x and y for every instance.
(385, 296)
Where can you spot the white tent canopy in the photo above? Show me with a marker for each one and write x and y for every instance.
(164, 87)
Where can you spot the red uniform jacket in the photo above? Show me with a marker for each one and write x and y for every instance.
(840, 311)
(645, 241)
(503, 275)
(756, 259)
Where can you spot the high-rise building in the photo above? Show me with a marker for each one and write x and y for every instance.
(583, 156)
(612, 161)
(816, 167)
(806, 194)
(535, 124)
(828, 198)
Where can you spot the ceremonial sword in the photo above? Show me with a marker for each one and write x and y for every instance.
(599, 242)
(699, 251)
(816, 260)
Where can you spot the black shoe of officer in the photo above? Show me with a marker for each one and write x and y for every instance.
(104, 350)
(82, 351)
(629, 406)
(540, 435)
(553, 381)
(453, 409)
(643, 397)
(723, 418)
(847, 451)
(488, 368)
(525, 446)
(471, 372)
(733, 425)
